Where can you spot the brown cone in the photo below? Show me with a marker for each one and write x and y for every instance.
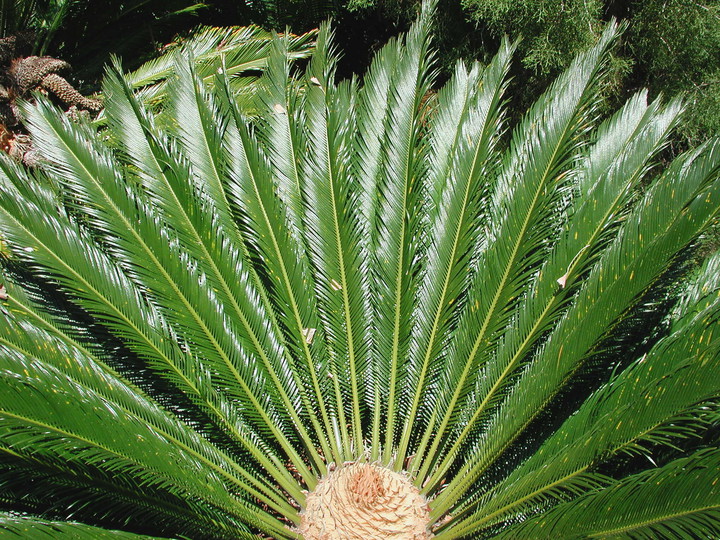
(365, 501)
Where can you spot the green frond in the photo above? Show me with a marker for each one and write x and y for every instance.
(372, 120)
(33, 334)
(665, 396)
(395, 235)
(139, 324)
(239, 52)
(93, 436)
(616, 162)
(523, 205)
(679, 500)
(23, 526)
(140, 243)
(269, 237)
(669, 217)
(456, 230)
(335, 237)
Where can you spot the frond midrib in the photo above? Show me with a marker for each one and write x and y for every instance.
(640, 525)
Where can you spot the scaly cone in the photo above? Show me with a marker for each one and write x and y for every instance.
(364, 501)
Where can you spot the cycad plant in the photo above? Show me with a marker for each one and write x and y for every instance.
(373, 310)
(240, 52)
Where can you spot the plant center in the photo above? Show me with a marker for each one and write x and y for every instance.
(365, 501)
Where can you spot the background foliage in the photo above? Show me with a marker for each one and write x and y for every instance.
(87, 33)
(676, 47)
(670, 46)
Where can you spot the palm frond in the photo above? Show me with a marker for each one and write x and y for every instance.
(335, 236)
(678, 500)
(63, 420)
(270, 238)
(29, 527)
(241, 53)
(659, 227)
(395, 227)
(372, 119)
(44, 338)
(457, 225)
(162, 268)
(606, 181)
(665, 396)
(110, 294)
(534, 176)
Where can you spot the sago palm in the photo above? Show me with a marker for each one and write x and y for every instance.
(372, 310)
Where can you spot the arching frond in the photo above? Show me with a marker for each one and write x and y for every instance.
(28, 527)
(240, 52)
(667, 395)
(678, 500)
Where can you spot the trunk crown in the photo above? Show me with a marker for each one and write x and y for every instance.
(365, 500)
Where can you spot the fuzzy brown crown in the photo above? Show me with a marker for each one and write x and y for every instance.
(365, 501)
